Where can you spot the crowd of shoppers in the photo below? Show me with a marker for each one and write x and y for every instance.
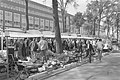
(31, 47)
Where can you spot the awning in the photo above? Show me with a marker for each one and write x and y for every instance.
(53, 36)
(35, 32)
(68, 36)
(48, 33)
(49, 36)
(18, 34)
(86, 38)
(14, 30)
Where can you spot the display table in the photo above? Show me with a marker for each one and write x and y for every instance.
(3, 70)
(28, 66)
(27, 63)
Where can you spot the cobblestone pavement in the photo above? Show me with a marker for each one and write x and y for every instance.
(108, 69)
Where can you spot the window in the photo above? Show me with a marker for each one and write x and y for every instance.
(5, 5)
(22, 9)
(29, 11)
(16, 20)
(2, 4)
(31, 22)
(12, 0)
(8, 18)
(32, 5)
(35, 6)
(51, 25)
(16, 8)
(41, 23)
(29, 4)
(1, 18)
(36, 23)
(23, 21)
(59, 13)
(10, 6)
(46, 25)
(32, 12)
(67, 20)
(60, 19)
(22, 2)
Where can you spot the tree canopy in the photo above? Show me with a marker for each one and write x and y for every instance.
(104, 11)
(78, 20)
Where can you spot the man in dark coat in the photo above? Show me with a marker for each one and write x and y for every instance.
(89, 50)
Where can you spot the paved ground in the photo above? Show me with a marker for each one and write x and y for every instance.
(108, 69)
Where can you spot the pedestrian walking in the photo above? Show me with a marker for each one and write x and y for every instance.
(99, 48)
(89, 50)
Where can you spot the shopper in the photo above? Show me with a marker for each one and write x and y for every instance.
(20, 47)
(32, 45)
(99, 48)
(43, 47)
(89, 50)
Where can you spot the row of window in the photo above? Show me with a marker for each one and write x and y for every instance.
(8, 16)
(18, 1)
(34, 22)
(32, 5)
(31, 25)
(2, 4)
(23, 10)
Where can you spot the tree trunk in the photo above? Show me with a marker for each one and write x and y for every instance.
(117, 26)
(99, 20)
(99, 28)
(26, 15)
(63, 20)
(108, 28)
(57, 29)
(94, 27)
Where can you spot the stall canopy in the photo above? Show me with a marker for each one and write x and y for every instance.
(89, 38)
(37, 33)
(18, 34)
(68, 36)
(62, 36)
(49, 36)
(47, 33)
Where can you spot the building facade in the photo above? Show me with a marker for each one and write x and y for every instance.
(12, 15)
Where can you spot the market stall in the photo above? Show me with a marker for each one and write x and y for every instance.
(4, 54)
(24, 35)
(9, 61)
(29, 65)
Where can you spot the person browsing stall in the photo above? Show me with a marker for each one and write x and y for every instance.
(43, 47)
